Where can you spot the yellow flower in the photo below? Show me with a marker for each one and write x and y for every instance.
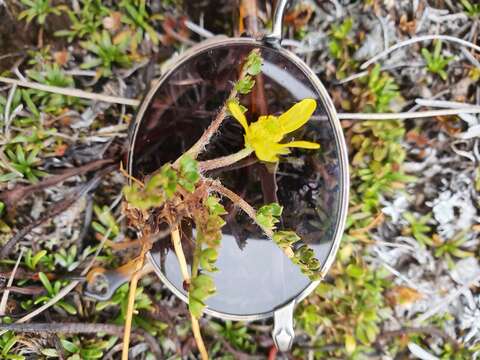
(264, 135)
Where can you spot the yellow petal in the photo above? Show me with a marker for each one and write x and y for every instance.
(237, 113)
(267, 151)
(297, 115)
(302, 144)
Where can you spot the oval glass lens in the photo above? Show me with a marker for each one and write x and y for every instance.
(254, 275)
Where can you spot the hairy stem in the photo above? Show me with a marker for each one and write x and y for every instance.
(186, 278)
(198, 147)
(224, 160)
(247, 208)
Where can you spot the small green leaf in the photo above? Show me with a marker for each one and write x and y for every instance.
(201, 288)
(69, 308)
(196, 307)
(189, 174)
(285, 238)
(31, 105)
(354, 271)
(91, 353)
(46, 283)
(245, 85)
(268, 215)
(69, 346)
(208, 257)
(38, 257)
(9, 344)
(49, 352)
(214, 206)
(254, 63)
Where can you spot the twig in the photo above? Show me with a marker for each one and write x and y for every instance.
(81, 328)
(3, 303)
(444, 104)
(408, 115)
(72, 92)
(248, 209)
(55, 338)
(18, 53)
(383, 68)
(12, 197)
(61, 294)
(415, 40)
(473, 60)
(25, 290)
(238, 200)
(198, 29)
(429, 330)
(64, 328)
(11, 94)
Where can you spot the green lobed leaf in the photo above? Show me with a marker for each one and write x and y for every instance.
(201, 288)
(245, 85)
(208, 257)
(214, 206)
(268, 215)
(189, 173)
(254, 63)
(285, 238)
(303, 256)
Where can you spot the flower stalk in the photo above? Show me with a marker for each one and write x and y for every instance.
(224, 161)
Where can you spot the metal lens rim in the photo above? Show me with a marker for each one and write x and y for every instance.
(339, 139)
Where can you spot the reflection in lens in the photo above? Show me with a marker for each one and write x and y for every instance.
(255, 276)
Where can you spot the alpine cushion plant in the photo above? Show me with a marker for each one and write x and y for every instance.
(436, 62)
(39, 10)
